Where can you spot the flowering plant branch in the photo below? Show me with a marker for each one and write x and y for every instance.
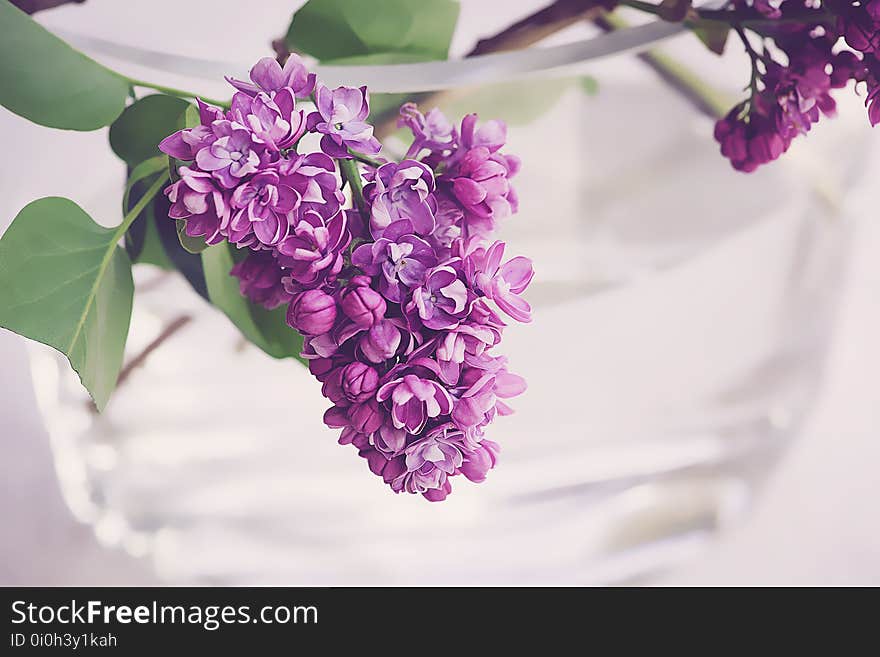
(383, 275)
(805, 51)
(400, 297)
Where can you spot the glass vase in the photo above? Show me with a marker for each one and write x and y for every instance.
(682, 315)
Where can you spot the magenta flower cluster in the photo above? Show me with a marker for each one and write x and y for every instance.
(400, 291)
(801, 51)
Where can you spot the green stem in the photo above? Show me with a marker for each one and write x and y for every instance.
(144, 200)
(710, 101)
(127, 220)
(704, 97)
(807, 16)
(350, 173)
(360, 157)
(754, 56)
(180, 93)
(733, 17)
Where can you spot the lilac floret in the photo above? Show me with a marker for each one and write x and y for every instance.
(341, 117)
(400, 264)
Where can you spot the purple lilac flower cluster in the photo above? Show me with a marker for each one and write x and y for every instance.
(805, 49)
(401, 297)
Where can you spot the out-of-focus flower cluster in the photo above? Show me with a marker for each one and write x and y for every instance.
(401, 297)
(800, 50)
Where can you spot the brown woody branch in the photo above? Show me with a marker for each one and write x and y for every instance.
(522, 34)
(704, 100)
(536, 27)
(173, 327)
(140, 358)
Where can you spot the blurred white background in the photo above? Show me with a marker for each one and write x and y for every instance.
(815, 523)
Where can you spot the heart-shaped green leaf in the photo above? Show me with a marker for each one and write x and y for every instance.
(589, 85)
(267, 329)
(46, 81)
(136, 134)
(65, 282)
(517, 103)
(331, 29)
(712, 33)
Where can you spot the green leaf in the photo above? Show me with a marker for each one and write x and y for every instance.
(382, 103)
(284, 341)
(517, 103)
(146, 169)
(589, 85)
(46, 81)
(191, 118)
(712, 33)
(142, 241)
(190, 244)
(267, 329)
(65, 282)
(136, 134)
(188, 264)
(331, 29)
(376, 59)
(152, 252)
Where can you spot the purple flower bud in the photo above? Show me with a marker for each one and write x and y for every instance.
(362, 304)
(367, 417)
(381, 342)
(359, 381)
(478, 462)
(393, 469)
(389, 439)
(349, 436)
(336, 417)
(268, 76)
(259, 278)
(438, 494)
(332, 388)
(313, 312)
(376, 460)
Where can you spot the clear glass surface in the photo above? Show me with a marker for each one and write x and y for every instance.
(682, 314)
